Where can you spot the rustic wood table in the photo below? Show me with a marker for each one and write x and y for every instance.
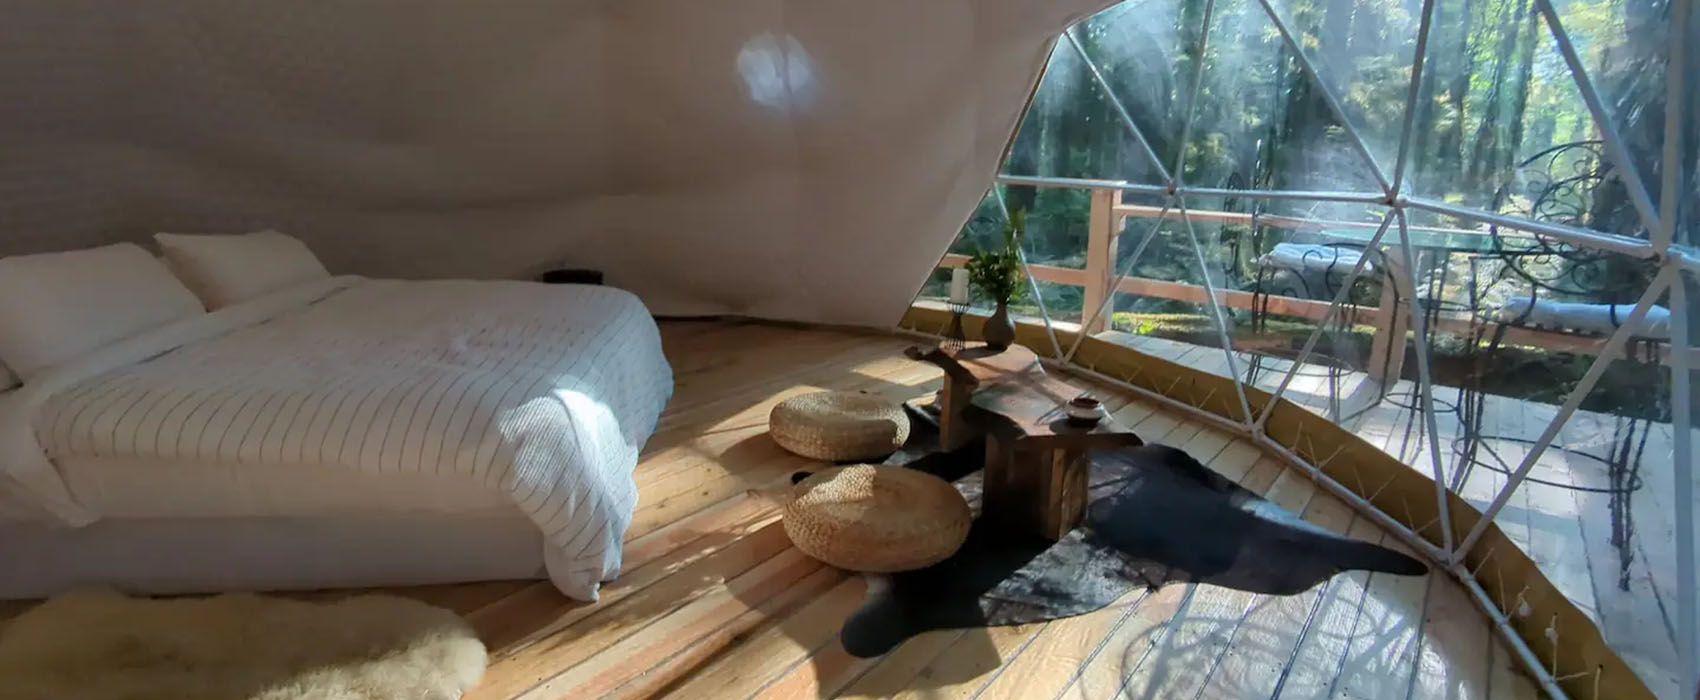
(1036, 465)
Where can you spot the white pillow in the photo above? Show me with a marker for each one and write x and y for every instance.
(57, 306)
(7, 379)
(228, 269)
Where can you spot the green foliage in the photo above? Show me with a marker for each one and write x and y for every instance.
(997, 274)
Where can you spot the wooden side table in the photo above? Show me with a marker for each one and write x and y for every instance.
(1036, 466)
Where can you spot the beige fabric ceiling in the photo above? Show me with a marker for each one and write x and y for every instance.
(801, 159)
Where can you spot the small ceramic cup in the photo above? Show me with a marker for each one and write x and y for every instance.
(1085, 410)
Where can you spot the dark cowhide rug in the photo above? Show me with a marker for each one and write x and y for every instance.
(1156, 516)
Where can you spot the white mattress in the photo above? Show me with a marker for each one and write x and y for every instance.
(203, 555)
(142, 488)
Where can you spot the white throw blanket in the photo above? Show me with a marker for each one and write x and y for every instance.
(1314, 257)
(1597, 318)
(546, 393)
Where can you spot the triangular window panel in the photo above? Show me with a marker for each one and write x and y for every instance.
(1072, 129)
(1056, 220)
(1259, 121)
(1623, 49)
(1363, 54)
(1500, 124)
(1161, 306)
(1125, 41)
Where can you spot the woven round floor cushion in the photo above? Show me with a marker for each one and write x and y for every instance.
(878, 519)
(839, 426)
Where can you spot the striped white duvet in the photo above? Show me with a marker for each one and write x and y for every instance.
(545, 393)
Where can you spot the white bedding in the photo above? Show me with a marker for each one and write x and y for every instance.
(544, 394)
(1598, 318)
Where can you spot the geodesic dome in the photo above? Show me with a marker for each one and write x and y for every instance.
(1459, 232)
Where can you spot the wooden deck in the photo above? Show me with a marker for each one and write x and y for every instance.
(715, 603)
(1566, 531)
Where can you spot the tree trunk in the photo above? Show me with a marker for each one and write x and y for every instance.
(1529, 28)
(1335, 37)
(1485, 154)
(1450, 146)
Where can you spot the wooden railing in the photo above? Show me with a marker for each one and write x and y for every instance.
(1108, 214)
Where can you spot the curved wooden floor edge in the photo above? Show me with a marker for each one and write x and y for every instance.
(1511, 590)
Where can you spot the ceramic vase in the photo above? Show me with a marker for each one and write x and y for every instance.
(999, 332)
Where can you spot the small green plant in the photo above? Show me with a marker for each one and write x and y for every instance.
(996, 274)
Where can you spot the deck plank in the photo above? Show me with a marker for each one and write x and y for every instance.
(1567, 533)
(1054, 658)
(771, 586)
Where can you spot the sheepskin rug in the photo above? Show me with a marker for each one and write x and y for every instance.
(104, 646)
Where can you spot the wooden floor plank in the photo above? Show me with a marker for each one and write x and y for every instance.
(607, 667)
(721, 637)
(714, 544)
(540, 646)
(1129, 647)
(1269, 635)
(1313, 669)
(1052, 661)
(1453, 661)
(1191, 653)
(822, 675)
(893, 672)
(714, 602)
(783, 643)
(1382, 650)
(972, 661)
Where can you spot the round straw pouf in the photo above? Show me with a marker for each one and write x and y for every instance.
(839, 426)
(877, 519)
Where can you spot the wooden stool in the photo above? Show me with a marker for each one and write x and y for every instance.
(1036, 467)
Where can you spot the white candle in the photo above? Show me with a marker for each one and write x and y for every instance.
(959, 286)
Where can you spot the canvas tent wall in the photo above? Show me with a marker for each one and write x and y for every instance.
(806, 161)
(792, 160)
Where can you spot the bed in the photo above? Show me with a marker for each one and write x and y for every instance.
(338, 432)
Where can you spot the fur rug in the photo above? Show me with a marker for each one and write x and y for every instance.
(104, 646)
(1156, 516)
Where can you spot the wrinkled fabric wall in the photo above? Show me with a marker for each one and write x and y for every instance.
(791, 159)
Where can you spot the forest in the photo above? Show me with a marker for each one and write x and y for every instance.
(1498, 124)
(1498, 118)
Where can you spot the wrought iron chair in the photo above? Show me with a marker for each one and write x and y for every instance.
(1318, 274)
(1556, 185)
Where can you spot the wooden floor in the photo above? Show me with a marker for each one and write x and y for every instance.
(714, 603)
(1566, 531)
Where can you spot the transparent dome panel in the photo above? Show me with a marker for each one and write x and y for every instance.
(1259, 121)
(1125, 42)
(1307, 296)
(1362, 52)
(1073, 129)
(1500, 123)
(1576, 469)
